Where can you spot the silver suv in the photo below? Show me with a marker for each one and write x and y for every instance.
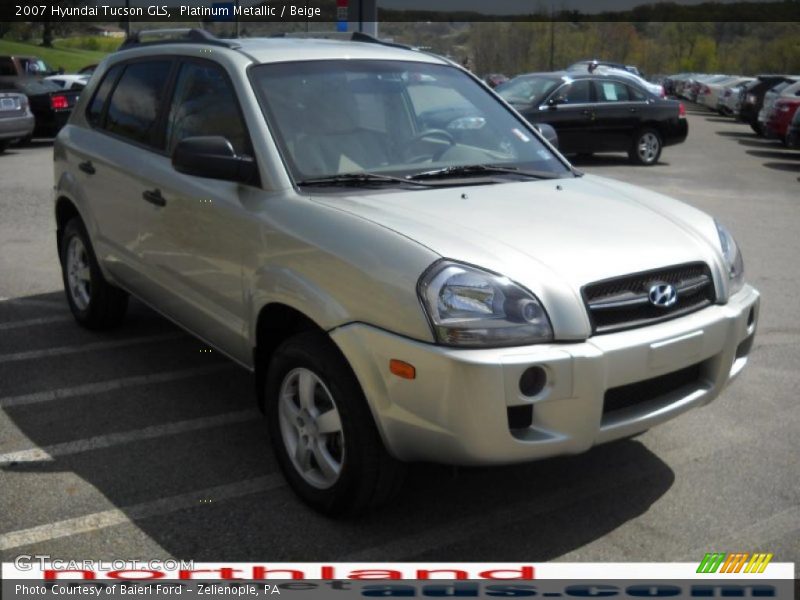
(409, 269)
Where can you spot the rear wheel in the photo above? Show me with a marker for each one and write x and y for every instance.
(3, 145)
(322, 430)
(757, 129)
(646, 147)
(95, 303)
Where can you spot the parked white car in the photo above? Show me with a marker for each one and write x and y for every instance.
(654, 88)
(409, 269)
(69, 82)
(711, 94)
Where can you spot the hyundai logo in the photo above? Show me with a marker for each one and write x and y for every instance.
(663, 295)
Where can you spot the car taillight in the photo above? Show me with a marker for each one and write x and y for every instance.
(681, 110)
(59, 102)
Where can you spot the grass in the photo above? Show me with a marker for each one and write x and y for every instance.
(61, 55)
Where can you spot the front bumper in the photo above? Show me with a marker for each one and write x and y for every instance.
(456, 410)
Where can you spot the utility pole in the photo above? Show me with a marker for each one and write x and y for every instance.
(552, 43)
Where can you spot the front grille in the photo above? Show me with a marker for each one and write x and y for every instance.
(624, 302)
(625, 396)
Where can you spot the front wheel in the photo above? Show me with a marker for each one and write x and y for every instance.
(322, 430)
(646, 147)
(95, 303)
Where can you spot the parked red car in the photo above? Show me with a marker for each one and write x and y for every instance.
(781, 117)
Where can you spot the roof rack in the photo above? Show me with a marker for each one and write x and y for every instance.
(355, 36)
(175, 36)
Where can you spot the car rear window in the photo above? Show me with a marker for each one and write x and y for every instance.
(137, 100)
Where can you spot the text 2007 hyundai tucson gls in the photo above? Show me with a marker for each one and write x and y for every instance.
(403, 291)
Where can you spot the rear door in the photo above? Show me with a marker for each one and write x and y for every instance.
(618, 112)
(115, 160)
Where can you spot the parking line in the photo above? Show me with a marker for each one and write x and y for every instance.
(34, 303)
(120, 516)
(33, 322)
(60, 351)
(126, 437)
(100, 387)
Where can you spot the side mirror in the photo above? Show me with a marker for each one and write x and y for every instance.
(549, 133)
(554, 101)
(213, 157)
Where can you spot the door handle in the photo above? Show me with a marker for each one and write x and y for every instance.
(154, 197)
(87, 167)
(633, 110)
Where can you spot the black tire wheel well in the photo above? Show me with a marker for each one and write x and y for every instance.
(276, 323)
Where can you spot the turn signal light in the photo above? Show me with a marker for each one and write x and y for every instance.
(402, 369)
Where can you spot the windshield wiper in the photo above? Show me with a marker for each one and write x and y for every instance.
(477, 170)
(357, 179)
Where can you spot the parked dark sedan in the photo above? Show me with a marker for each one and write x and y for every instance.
(599, 113)
(48, 102)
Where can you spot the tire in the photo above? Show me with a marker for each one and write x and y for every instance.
(359, 473)
(3, 145)
(645, 147)
(757, 129)
(95, 303)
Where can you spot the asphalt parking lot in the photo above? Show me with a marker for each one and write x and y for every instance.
(141, 444)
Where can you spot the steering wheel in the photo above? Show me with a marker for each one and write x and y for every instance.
(429, 133)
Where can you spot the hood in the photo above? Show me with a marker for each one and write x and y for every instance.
(552, 236)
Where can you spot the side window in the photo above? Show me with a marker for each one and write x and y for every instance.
(205, 104)
(637, 95)
(577, 92)
(136, 101)
(94, 112)
(612, 91)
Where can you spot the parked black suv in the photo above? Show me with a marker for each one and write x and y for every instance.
(599, 113)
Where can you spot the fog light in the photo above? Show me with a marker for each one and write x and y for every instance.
(532, 381)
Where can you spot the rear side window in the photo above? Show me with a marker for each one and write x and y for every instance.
(94, 113)
(136, 102)
(205, 104)
(612, 91)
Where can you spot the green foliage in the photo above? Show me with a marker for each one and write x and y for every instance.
(71, 59)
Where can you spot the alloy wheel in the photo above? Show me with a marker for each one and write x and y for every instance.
(79, 275)
(311, 428)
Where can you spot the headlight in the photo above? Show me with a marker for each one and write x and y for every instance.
(471, 307)
(733, 259)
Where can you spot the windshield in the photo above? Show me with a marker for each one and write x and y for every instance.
(526, 90)
(395, 118)
(34, 66)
